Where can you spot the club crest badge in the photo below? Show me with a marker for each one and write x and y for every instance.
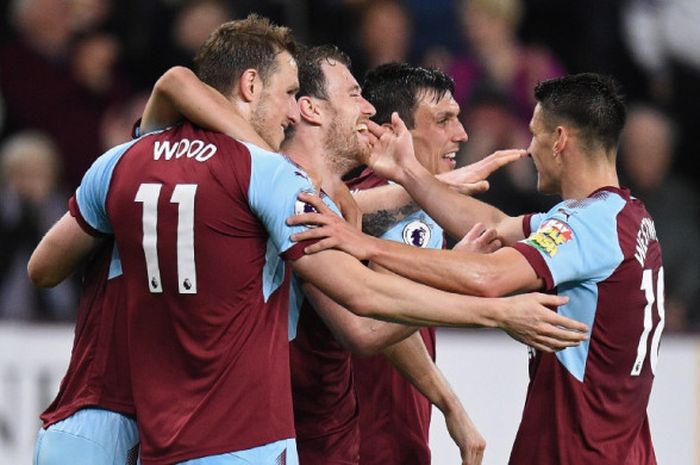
(417, 234)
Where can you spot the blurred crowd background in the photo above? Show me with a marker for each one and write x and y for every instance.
(75, 75)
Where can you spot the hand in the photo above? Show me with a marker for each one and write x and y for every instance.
(464, 433)
(530, 320)
(332, 230)
(469, 178)
(392, 152)
(479, 239)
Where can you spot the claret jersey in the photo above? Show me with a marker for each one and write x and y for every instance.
(587, 405)
(394, 415)
(200, 223)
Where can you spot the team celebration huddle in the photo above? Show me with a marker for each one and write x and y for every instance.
(265, 264)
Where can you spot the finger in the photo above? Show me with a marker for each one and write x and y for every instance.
(315, 201)
(502, 158)
(564, 335)
(494, 245)
(397, 123)
(309, 234)
(477, 187)
(307, 219)
(489, 234)
(323, 244)
(376, 129)
(475, 232)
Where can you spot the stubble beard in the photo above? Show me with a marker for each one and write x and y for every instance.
(343, 150)
(258, 120)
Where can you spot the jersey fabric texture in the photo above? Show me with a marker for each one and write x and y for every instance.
(323, 393)
(200, 223)
(394, 415)
(587, 405)
(98, 371)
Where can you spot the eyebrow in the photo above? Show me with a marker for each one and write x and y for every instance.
(446, 114)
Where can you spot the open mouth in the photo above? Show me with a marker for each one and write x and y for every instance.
(361, 128)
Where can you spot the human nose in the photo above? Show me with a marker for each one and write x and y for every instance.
(293, 111)
(367, 108)
(460, 134)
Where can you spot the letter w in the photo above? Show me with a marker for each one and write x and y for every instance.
(165, 147)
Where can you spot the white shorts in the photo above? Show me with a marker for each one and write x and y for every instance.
(89, 437)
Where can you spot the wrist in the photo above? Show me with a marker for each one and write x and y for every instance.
(414, 176)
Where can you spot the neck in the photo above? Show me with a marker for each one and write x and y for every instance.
(306, 150)
(588, 175)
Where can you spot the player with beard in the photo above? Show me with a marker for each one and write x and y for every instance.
(395, 417)
(584, 405)
(327, 141)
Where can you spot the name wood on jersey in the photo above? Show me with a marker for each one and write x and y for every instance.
(646, 234)
(196, 149)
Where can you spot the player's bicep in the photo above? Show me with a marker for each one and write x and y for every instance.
(64, 247)
(512, 272)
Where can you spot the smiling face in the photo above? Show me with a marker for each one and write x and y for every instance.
(347, 138)
(437, 132)
(277, 106)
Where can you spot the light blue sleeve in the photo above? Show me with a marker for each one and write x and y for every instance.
(92, 192)
(417, 230)
(579, 240)
(535, 220)
(274, 186)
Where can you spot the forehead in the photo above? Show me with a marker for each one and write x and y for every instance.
(338, 77)
(537, 121)
(285, 69)
(428, 105)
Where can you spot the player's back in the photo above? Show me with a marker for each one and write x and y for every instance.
(98, 372)
(207, 306)
(588, 404)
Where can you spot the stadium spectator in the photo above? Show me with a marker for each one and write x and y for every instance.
(647, 149)
(30, 202)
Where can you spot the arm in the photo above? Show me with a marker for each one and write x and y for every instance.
(64, 247)
(502, 272)
(411, 358)
(360, 335)
(393, 158)
(364, 292)
(179, 93)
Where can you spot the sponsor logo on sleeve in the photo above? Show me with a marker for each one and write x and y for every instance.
(417, 234)
(550, 236)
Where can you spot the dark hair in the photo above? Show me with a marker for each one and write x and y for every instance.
(589, 101)
(235, 46)
(399, 86)
(312, 80)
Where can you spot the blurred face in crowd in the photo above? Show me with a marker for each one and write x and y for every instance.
(277, 106)
(437, 132)
(347, 139)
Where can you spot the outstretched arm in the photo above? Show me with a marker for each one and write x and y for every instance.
(384, 206)
(411, 358)
(64, 247)
(500, 273)
(179, 94)
(527, 317)
(360, 335)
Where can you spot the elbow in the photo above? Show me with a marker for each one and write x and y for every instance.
(486, 284)
(363, 347)
(360, 305)
(40, 277)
